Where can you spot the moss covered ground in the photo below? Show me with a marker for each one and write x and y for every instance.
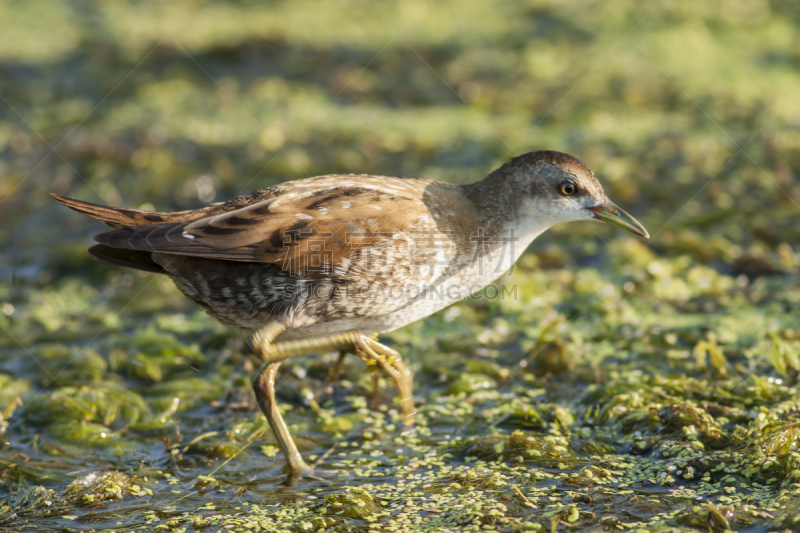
(615, 385)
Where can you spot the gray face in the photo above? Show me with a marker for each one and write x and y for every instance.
(566, 191)
(559, 188)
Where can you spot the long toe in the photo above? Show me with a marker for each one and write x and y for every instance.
(310, 473)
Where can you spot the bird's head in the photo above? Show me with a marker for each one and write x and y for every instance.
(554, 187)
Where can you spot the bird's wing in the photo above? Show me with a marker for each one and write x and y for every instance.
(290, 229)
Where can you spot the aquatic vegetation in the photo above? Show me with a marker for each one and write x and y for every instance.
(614, 385)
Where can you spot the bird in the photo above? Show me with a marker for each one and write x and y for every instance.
(328, 262)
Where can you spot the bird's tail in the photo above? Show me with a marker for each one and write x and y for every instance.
(127, 258)
(117, 217)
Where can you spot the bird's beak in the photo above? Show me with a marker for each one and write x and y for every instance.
(612, 214)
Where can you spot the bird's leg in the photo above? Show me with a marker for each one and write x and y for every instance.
(336, 371)
(375, 393)
(273, 353)
(264, 387)
(262, 345)
(374, 353)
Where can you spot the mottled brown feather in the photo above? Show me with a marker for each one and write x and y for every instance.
(282, 229)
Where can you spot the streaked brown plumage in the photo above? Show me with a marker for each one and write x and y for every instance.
(301, 263)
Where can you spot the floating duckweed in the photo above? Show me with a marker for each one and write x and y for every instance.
(92, 489)
(354, 503)
(618, 384)
(540, 450)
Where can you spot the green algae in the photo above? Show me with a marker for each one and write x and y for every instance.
(616, 385)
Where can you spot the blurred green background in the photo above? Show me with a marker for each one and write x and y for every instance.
(614, 353)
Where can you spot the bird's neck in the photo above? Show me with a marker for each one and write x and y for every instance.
(500, 206)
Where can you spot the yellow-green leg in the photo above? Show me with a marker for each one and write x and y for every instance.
(264, 387)
(369, 350)
(374, 353)
(334, 374)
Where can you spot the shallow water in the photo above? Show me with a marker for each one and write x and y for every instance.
(627, 385)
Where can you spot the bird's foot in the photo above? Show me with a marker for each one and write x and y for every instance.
(303, 471)
(373, 352)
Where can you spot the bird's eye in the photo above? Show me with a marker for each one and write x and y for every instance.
(568, 188)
